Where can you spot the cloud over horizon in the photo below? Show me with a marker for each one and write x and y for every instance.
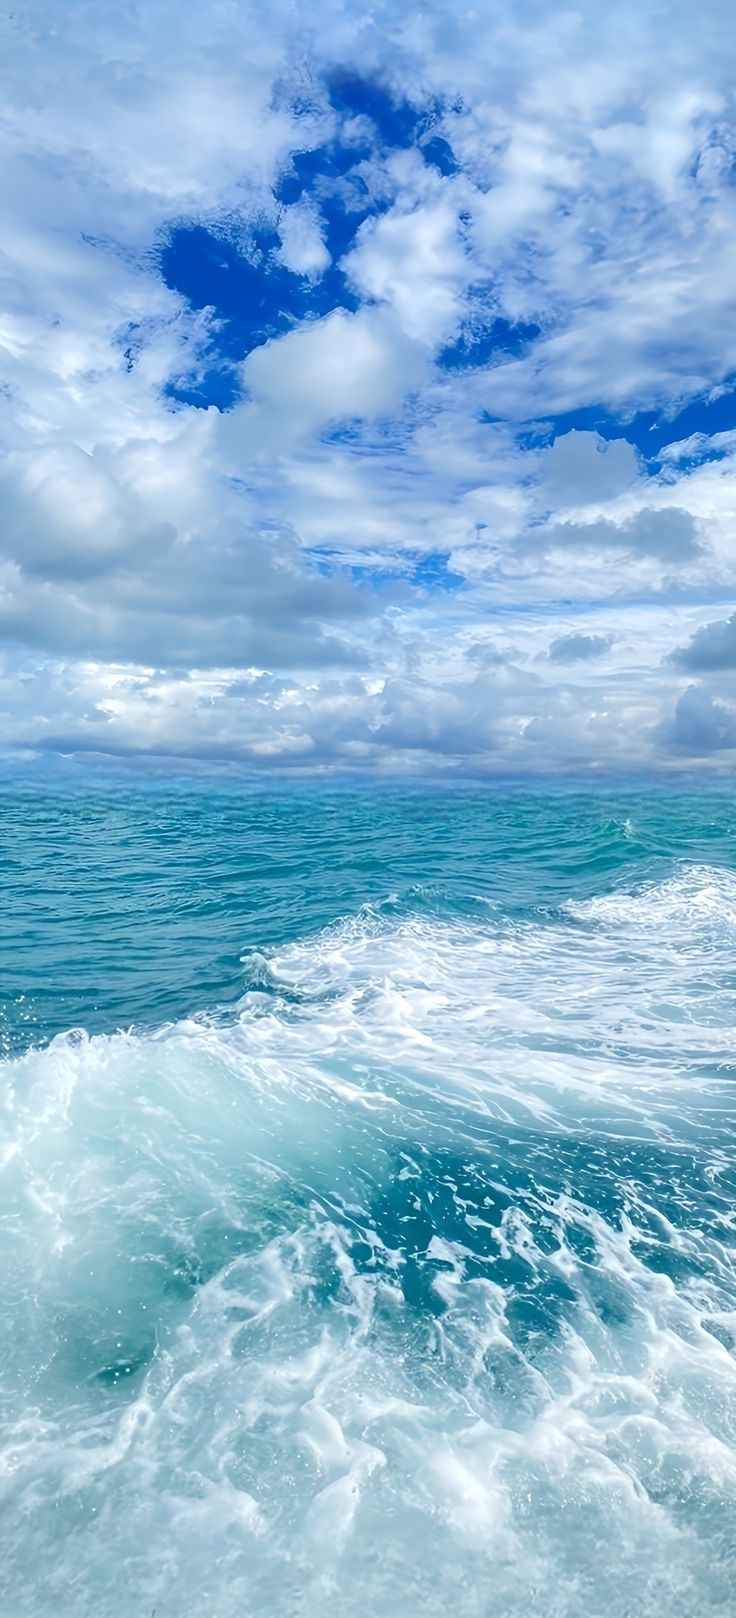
(368, 387)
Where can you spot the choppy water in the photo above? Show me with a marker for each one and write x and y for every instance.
(385, 1261)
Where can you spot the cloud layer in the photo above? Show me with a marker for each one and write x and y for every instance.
(368, 386)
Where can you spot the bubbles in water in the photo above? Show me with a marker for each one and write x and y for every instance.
(409, 1287)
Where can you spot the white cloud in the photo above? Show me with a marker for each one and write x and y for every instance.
(412, 259)
(578, 648)
(438, 700)
(340, 367)
(702, 724)
(581, 468)
(529, 591)
(710, 648)
(303, 247)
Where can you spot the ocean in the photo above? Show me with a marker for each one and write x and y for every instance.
(367, 1201)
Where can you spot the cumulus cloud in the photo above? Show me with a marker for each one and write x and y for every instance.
(347, 365)
(412, 259)
(667, 533)
(701, 724)
(387, 491)
(581, 468)
(89, 567)
(443, 703)
(712, 647)
(578, 648)
(303, 246)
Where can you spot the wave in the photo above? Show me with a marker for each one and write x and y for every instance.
(698, 899)
(411, 1283)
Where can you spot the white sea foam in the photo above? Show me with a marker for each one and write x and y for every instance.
(698, 899)
(409, 1288)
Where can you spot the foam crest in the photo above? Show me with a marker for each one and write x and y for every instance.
(410, 1286)
(699, 900)
(552, 1019)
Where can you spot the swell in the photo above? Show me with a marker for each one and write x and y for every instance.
(130, 907)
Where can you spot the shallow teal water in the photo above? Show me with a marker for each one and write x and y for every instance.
(127, 904)
(367, 1200)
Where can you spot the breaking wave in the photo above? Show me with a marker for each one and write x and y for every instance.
(406, 1285)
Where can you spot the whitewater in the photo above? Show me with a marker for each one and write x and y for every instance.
(367, 1198)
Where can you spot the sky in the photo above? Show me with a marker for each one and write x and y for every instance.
(368, 386)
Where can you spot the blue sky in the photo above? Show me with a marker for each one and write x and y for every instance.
(368, 386)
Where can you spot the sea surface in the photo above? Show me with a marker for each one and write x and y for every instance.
(367, 1202)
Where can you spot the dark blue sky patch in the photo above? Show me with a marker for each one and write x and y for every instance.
(216, 385)
(306, 169)
(254, 296)
(199, 384)
(433, 572)
(344, 211)
(649, 430)
(439, 154)
(429, 572)
(250, 298)
(331, 177)
(353, 96)
(399, 124)
(479, 343)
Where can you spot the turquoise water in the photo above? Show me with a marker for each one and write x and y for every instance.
(367, 1201)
